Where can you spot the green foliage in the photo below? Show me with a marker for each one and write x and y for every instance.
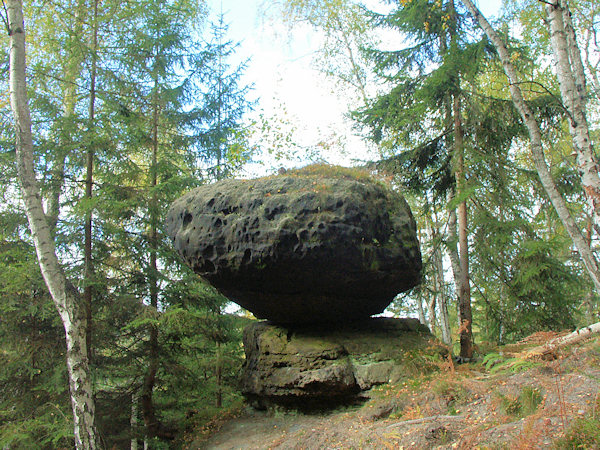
(583, 432)
(538, 291)
(525, 404)
(224, 138)
(498, 363)
(169, 116)
(453, 393)
(153, 114)
(34, 400)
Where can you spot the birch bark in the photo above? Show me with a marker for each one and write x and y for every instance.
(420, 310)
(537, 151)
(443, 303)
(571, 79)
(64, 295)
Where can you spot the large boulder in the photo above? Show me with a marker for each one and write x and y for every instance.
(325, 364)
(323, 244)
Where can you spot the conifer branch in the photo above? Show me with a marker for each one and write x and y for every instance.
(5, 18)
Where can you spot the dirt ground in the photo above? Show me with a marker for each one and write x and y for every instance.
(504, 403)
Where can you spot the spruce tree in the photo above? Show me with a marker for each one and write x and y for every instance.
(430, 93)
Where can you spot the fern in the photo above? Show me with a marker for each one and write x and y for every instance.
(498, 363)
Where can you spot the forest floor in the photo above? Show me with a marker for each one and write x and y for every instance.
(503, 401)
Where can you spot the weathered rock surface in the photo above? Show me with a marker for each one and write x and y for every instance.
(332, 363)
(301, 247)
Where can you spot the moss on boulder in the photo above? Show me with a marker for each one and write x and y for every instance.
(320, 244)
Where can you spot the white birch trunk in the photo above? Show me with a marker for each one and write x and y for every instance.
(443, 303)
(431, 301)
(65, 297)
(537, 151)
(571, 78)
(420, 311)
(548, 350)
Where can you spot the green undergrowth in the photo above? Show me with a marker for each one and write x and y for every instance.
(522, 405)
(439, 391)
(584, 432)
(453, 393)
(499, 363)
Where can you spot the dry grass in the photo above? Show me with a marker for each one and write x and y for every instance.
(322, 170)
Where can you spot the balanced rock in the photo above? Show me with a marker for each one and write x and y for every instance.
(320, 244)
(320, 364)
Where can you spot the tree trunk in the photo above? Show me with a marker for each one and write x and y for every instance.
(64, 295)
(150, 420)
(219, 376)
(443, 303)
(420, 311)
(571, 79)
(548, 350)
(464, 294)
(133, 421)
(452, 237)
(439, 283)
(437, 278)
(431, 301)
(537, 151)
(89, 183)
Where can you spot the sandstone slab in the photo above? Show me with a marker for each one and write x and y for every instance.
(320, 364)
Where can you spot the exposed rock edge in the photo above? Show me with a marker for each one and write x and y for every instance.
(325, 364)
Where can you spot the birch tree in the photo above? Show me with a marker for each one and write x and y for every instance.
(346, 31)
(573, 95)
(573, 90)
(67, 300)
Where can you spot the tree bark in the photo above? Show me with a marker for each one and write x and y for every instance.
(548, 350)
(464, 293)
(89, 184)
(537, 151)
(438, 280)
(420, 311)
(571, 80)
(219, 376)
(452, 237)
(431, 301)
(443, 303)
(64, 295)
(150, 420)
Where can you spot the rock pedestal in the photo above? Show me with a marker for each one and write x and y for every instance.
(316, 251)
(330, 364)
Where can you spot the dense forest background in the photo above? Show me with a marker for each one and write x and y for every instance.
(135, 103)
